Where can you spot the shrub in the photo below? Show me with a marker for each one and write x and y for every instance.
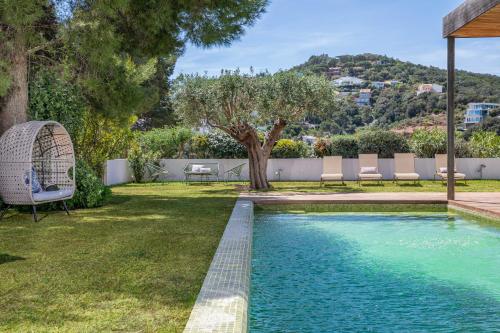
(383, 143)
(426, 143)
(344, 145)
(322, 147)
(166, 142)
(199, 146)
(103, 139)
(286, 148)
(221, 145)
(485, 145)
(90, 191)
(137, 162)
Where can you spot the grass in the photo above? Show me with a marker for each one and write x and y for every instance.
(387, 186)
(135, 265)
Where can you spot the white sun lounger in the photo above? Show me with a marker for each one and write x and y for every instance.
(442, 171)
(332, 169)
(404, 165)
(368, 168)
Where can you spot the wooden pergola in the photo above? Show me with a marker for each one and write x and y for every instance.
(472, 19)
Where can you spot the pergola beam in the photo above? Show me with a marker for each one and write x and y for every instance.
(466, 13)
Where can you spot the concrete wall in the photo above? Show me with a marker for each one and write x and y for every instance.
(307, 169)
(117, 172)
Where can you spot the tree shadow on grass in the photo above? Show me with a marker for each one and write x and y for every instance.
(410, 185)
(5, 258)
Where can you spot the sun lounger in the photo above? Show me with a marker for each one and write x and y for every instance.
(368, 168)
(442, 170)
(404, 165)
(332, 169)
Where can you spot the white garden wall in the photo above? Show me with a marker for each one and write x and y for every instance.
(306, 169)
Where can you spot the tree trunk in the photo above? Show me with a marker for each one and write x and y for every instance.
(258, 153)
(15, 104)
(257, 160)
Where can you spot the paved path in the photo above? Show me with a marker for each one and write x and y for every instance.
(487, 203)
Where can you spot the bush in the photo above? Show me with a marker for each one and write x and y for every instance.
(485, 145)
(137, 162)
(322, 148)
(383, 143)
(166, 142)
(199, 146)
(90, 191)
(221, 145)
(427, 143)
(344, 145)
(286, 148)
(103, 139)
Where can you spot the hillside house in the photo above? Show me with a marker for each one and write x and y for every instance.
(333, 72)
(364, 97)
(378, 84)
(348, 81)
(477, 112)
(429, 88)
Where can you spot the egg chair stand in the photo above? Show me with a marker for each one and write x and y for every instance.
(37, 165)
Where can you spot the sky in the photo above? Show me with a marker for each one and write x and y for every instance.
(292, 30)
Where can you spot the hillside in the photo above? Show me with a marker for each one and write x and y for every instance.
(399, 102)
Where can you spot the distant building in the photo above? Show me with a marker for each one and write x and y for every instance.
(429, 88)
(309, 139)
(334, 72)
(392, 82)
(378, 85)
(348, 81)
(476, 112)
(364, 97)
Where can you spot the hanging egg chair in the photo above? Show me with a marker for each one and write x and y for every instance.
(37, 164)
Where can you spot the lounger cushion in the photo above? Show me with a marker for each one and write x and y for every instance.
(370, 176)
(52, 195)
(368, 170)
(205, 170)
(457, 175)
(444, 170)
(332, 176)
(196, 167)
(409, 176)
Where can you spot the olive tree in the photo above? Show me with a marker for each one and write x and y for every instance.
(238, 104)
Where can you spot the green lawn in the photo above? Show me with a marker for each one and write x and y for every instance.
(135, 265)
(387, 186)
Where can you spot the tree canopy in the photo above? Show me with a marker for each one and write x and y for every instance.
(109, 48)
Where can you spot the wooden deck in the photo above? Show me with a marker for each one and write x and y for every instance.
(485, 203)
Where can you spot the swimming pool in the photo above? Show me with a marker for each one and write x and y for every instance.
(374, 273)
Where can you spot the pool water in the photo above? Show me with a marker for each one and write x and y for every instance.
(374, 273)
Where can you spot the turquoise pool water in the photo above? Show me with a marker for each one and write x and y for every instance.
(374, 273)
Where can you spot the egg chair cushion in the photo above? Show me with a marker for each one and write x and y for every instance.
(35, 183)
(52, 195)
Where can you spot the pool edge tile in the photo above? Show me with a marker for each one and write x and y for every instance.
(222, 304)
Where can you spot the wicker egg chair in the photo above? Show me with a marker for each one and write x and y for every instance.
(37, 165)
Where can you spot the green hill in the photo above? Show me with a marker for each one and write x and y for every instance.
(397, 103)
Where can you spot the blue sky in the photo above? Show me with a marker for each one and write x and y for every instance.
(293, 30)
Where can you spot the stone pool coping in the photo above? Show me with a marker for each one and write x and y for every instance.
(222, 304)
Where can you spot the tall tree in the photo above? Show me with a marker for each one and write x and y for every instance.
(106, 40)
(238, 104)
(24, 30)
